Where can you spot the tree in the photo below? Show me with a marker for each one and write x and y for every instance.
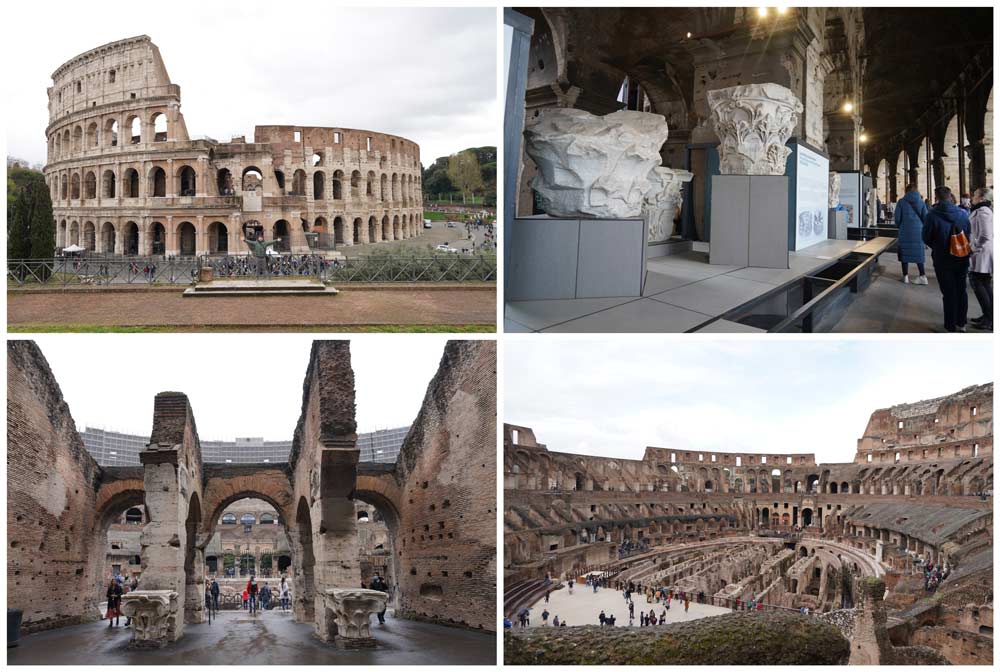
(30, 227)
(463, 170)
(437, 182)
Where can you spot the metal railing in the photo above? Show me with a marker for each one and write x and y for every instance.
(66, 272)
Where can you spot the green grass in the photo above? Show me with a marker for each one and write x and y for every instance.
(157, 329)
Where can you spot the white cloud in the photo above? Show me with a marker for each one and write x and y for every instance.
(428, 74)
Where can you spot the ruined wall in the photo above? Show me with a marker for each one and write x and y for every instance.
(447, 474)
(51, 495)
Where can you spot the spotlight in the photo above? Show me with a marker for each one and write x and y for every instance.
(782, 10)
(863, 138)
(848, 106)
(762, 11)
(689, 35)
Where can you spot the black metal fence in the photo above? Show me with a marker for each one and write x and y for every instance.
(65, 272)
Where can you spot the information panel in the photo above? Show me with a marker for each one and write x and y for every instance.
(812, 185)
(850, 197)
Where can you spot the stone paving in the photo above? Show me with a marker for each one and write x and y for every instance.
(271, 638)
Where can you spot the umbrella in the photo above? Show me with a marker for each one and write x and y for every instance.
(523, 612)
(271, 252)
(73, 248)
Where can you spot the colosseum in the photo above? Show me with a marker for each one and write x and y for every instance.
(127, 178)
(893, 549)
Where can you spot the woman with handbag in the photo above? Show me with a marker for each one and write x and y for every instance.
(981, 262)
(114, 595)
(909, 219)
(946, 232)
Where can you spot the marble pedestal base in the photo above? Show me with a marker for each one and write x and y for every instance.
(837, 224)
(153, 614)
(556, 258)
(351, 610)
(749, 221)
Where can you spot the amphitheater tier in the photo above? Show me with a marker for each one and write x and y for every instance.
(127, 178)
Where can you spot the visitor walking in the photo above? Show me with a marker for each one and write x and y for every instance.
(378, 583)
(215, 595)
(545, 617)
(265, 597)
(981, 259)
(602, 618)
(246, 598)
(951, 262)
(283, 594)
(114, 595)
(252, 593)
(687, 604)
(909, 219)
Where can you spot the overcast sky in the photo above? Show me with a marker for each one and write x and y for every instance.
(427, 74)
(110, 380)
(613, 397)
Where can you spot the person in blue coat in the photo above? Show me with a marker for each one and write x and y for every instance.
(909, 218)
(951, 271)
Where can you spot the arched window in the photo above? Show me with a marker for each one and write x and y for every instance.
(158, 182)
(108, 184)
(229, 519)
(135, 130)
(189, 181)
(131, 183)
(159, 122)
(92, 134)
(74, 186)
(267, 519)
(355, 184)
(133, 516)
(338, 176)
(90, 185)
(247, 519)
(319, 181)
(299, 183)
(111, 132)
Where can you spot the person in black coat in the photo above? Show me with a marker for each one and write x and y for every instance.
(378, 583)
(940, 222)
(114, 595)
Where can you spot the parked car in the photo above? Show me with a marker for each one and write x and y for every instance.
(445, 248)
(451, 225)
(427, 224)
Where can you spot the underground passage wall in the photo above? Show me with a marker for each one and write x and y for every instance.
(447, 475)
(51, 494)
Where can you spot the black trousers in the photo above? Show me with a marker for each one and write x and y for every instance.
(954, 296)
(982, 286)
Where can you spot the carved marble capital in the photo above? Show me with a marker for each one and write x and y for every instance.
(753, 122)
(591, 166)
(153, 613)
(664, 199)
(834, 189)
(352, 611)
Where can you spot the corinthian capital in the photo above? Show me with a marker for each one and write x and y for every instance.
(753, 122)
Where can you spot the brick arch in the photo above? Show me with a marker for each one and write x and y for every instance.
(116, 495)
(271, 485)
(382, 492)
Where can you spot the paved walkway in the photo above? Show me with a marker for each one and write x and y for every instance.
(584, 605)
(350, 308)
(269, 639)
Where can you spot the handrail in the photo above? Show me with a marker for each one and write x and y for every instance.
(807, 308)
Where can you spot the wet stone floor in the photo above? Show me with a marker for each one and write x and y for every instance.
(271, 638)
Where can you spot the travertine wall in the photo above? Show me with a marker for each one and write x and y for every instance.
(51, 495)
(119, 191)
(447, 475)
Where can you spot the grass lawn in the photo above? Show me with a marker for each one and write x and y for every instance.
(378, 328)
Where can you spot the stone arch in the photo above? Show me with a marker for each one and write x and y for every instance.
(90, 185)
(251, 179)
(187, 181)
(131, 239)
(386, 231)
(108, 238)
(882, 181)
(319, 182)
(372, 230)
(130, 183)
(224, 182)
(194, 563)
(78, 138)
(397, 234)
(298, 183)
(355, 184)
(158, 122)
(134, 127)
(384, 188)
(89, 236)
(93, 137)
(370, 185)
(156, 239)
(74, 186)
(304, 595)
(111, 132)
(218, 238)
(337, 192)
(64, 187)
(338, 231)
(395, 187)
(108, 184)
(283, 230)
(61, 235)
(950, 158)
(74, 233)
(357, 228)
(187, 239)
(157, 182)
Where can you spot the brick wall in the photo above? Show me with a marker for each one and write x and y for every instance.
(447, 473)
(51, 495)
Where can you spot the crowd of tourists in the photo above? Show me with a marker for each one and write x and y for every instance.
(960, 236)
(933, 574)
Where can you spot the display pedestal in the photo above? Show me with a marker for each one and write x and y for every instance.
(554, 258)
(749, 221)
(838, 224)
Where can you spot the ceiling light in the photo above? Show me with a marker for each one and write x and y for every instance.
(862, 138)
(762, 11)
(689, 34)
(848, 106)
(782, 10)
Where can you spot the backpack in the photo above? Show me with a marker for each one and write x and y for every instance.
(958, 243)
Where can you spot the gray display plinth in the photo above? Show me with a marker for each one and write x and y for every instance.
(749, 221)
(552, 258)
(837, 224)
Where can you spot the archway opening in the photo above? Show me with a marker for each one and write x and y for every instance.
(186, 239)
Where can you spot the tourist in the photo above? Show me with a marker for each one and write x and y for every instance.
(940, 223)
(909, 219)
(114, 595)
(631, 609)
(966, 203)
(265, 597)
(602, 618)
(555, 621)
(246, 598)
(569, 584)
(981, 259)
(547, 596)
(507, 625)
(283, 594)
(545, 617)
(523, 615)
(651, 619)
(378, 583)
(687, 604)
(215, 595)
(611, 620)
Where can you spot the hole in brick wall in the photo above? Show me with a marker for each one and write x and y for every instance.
(427, 528)
(431, 591)
(467, 575)
(440, 524)
(413, 571)
(433, 507)
(451, 535)
(13, 544)
(19, 519)
(444, 573)
(424, 485)
(445, 504)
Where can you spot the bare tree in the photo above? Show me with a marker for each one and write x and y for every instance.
(463, 170)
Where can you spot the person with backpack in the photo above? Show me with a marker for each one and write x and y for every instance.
(252, 593)
(946, 231)
(215, 595)
(378, 583)
(981, 259)
(909, 219)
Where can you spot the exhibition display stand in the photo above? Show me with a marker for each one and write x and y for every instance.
(749, 221)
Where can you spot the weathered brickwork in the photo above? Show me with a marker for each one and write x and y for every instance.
(919, 490)
(126, 177)
(447, 472)
(51, 494)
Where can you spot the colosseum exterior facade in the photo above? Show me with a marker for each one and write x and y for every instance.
(126, 178)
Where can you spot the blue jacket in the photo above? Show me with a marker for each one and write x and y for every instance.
(937, 233)
(909, 217)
